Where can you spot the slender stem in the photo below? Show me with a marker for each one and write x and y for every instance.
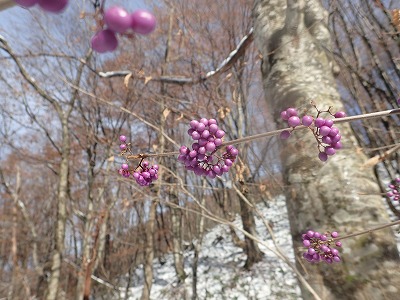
(373, 115)
(368, 230)
(145, 155)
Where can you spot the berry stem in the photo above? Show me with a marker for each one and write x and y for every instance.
(373, 115)
(369, 230)
(146, 155)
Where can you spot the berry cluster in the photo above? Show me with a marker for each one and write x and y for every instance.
(326, 135)
(118, 20)
(144, 174)
(202, 158)
(320, 247)
(394, 192)
(54, 6)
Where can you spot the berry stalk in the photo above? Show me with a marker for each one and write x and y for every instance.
(369, 230)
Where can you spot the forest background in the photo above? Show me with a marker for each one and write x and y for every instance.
(71, 227)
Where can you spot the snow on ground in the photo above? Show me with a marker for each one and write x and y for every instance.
(220, 273)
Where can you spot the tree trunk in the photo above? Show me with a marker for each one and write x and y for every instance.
(62, 194)
(323, 196)
(254, 254)
(149, 252)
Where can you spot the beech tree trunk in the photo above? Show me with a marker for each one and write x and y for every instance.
(323, 196)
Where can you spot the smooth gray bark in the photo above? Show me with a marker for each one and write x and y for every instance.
(292, 37)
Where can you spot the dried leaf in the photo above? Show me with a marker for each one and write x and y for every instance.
(147, 79)
(166, 112)
(372, 161)
(126, 79)
(111, 158)
(396, 18)
(180, 117)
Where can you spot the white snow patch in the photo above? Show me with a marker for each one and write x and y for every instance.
(220, 271)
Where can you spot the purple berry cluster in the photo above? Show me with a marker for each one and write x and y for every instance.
(119, 21)
(394, 192)
(144, 173)
(202, 158)
(326, 135)
(320, 247)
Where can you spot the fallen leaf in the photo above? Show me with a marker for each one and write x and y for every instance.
(126, 79)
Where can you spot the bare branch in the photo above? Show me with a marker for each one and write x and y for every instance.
(223, 67)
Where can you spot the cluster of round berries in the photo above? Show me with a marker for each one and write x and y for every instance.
(54, 6)
(320, 247)
(327, 135)
(202, 158)
(118, 20)
(394, 187)
(144, 174)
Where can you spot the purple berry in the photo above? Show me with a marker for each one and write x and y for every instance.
(330, 151)
(200, 127)
(306, 243)
(336, 138)
(334, 131)
(218, 142)
(324, 130)
(213, 128)
(117, 19)
(183, 150)
(205, 134)
(285, 134)
(122, 138)
(334, 234)
(219, 134)
(228, 162)
(195, 135)
(143, 22)
(104, 41)
(294, 121)
(210, 147)
(327, 140)
(340, 114)
(194, 124)
(328, 123)
(307, 120)
(291, 112)
(124, 167)
(338, 243)
(284, 115)
(311, 251)
(337, 145)
(234, 152)
(319, 122)
(323, 156)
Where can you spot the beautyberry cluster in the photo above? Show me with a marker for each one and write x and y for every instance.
(202, 157)
(394, 192)
(54, 6)
(326, 135)
(119, 21)
(320, 247)
(144, 173)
